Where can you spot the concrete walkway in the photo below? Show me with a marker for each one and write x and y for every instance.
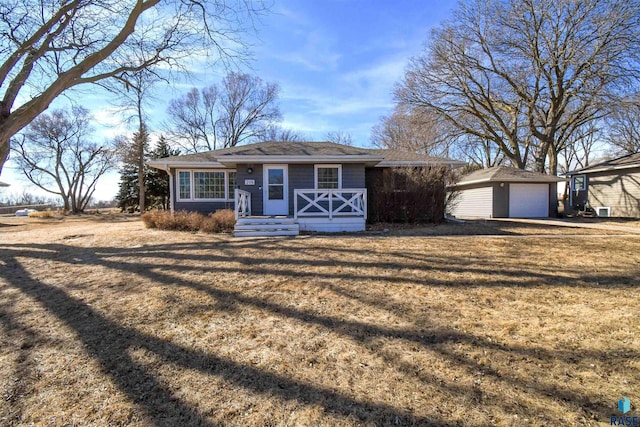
(571, 223)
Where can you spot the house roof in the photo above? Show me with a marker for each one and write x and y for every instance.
(4, 184)
(505, 174)
(300, 152)
(625, 162)
(407, 158)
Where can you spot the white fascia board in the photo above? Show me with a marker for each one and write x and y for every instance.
(159, 164)
(477, 181)
(300, 159)
(603, 169)
(517, 180)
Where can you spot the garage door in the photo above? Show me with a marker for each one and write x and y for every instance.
(528, 200)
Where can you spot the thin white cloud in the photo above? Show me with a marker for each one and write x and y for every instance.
(316, 53)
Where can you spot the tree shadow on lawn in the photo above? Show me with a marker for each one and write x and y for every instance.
(110, 343)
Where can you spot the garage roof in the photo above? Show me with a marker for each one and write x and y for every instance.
(505, 174)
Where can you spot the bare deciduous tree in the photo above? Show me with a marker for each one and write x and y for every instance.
(242, 108)
(48, 47)
(527, 75)
(278, 133)
(412, 129)
(55, 154)
(340, 137)
(579, 153)
(134, 93)
(624, 126)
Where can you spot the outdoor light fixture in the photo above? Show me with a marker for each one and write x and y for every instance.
(249, 170)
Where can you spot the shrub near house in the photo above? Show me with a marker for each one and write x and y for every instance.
(414, 195)
(221, 221)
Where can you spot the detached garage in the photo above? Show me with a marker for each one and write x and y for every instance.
(503, 192)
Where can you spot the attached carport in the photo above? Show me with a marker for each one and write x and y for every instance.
(504, 192)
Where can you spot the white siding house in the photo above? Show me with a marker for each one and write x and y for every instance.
(503, 192)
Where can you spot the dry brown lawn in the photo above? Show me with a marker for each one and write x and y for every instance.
(103, 322)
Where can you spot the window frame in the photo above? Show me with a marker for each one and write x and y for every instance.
(228, 195)
(327, 166)
(584, 183)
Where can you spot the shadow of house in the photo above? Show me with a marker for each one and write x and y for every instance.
(611, 188)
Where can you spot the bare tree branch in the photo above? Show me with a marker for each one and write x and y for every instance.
(65, 44)
(241, 109)
(527, 75)
(56, 156)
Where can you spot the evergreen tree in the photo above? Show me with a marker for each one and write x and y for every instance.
(131, 174)
(158, 180)
(127, 197)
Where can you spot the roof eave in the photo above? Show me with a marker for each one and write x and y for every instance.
(166, 165)
(498, 179)
(415, 163)
(596, 169)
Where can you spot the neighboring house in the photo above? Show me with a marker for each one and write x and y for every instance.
(315, 186)
(611, 188)
(4, 184)
(504, 192)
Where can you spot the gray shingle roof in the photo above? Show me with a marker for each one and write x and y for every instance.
(624, 162)
(407, 156)
(505, 174)
(303, 149)
(288, 148)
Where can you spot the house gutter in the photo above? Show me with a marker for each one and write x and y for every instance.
(484, 180)
(159, 164)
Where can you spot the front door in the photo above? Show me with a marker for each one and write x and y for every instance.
(276, 190)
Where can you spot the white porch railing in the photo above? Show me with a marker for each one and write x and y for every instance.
(242, 203)
(330, 202)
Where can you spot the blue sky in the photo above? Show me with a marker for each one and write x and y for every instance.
(336, 62)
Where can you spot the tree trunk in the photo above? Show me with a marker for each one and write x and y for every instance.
(4, 152)
(553, 161)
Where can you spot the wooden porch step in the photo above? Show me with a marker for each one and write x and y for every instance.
(263, 221)
(266, 226)
(245, 227)
(257, 233)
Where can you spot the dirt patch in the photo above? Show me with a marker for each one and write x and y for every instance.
(129, 326)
